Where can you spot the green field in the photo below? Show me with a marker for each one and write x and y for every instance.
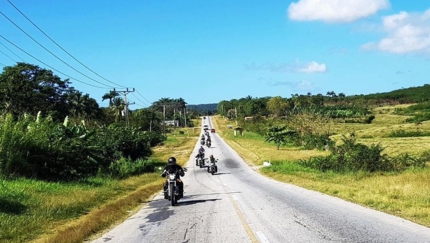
(405, 194)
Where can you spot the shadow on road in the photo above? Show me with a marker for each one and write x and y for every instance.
(221, 173)
(192, 202)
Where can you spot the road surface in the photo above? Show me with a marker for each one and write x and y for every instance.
(239, 205)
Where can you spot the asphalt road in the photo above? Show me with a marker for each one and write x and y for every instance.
(239, 205)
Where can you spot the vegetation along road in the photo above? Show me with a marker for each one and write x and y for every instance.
(239, 205)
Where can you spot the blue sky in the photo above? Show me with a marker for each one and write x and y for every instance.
(208, 51)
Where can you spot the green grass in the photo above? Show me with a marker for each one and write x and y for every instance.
(29, 208)
(41, 211)
(405, 194)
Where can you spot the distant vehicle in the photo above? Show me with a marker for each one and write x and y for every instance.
(205, 126)
(204, 117)
(212, 130)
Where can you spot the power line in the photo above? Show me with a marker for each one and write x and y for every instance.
(12, 51)
(51, 52)
(139, 99)
(61, 47)
(143, 97)
(50, 66)
(8, 56)
(3, 64)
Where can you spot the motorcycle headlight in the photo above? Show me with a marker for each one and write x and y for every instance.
(172, 176)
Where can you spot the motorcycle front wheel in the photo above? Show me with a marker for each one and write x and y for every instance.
(172, 196)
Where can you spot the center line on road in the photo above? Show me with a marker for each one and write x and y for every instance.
(245, 224)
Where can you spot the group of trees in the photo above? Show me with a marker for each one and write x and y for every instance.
(29, 89)
(332, 105)
(50, 130)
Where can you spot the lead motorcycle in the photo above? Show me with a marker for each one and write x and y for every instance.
(172, 192)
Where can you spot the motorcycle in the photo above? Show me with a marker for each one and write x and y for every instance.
(213, 168)
(208, 143)
(202, 142)
(199, 158)
(172, 192)
(201, 162)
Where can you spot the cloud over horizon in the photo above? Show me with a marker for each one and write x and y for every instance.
(335, 11)
(311, 67)
(406, 33)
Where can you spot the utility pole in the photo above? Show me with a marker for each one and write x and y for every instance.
(185, 117)
(164, 121)
(125, 92)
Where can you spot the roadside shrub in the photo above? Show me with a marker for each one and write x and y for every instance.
(351, 156)
(369, 119)
(403, 133)
(124, 167)
(315, 141)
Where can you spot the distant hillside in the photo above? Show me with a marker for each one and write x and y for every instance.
(204, 108)
(405, 95)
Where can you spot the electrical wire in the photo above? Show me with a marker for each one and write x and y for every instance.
(51, 66)
(62, 47)
(139, 99)
(143, 97)
(12, 51)
(8, 56)
(52, 53)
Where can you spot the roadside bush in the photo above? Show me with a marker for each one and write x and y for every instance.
(40, 148)
(353, 157)
(124, 167)
(403, 133)
(314, 141)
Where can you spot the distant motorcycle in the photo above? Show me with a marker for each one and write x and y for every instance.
(208, 143)
(172, 192)
(199, 156)
(213, 168)
(201, 162)
(202, 142)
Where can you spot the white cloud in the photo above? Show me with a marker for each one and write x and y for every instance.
(311, 67)
(335, 11)
(314, 67)
(406, 33)
(305, 86)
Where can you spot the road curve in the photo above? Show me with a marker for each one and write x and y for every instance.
(239, 205)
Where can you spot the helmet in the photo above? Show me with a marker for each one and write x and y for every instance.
(211, 156)
(171, 161)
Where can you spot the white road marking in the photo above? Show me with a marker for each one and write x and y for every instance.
(262, 237)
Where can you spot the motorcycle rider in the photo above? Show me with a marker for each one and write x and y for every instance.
(212, 160)
(201, 152)
(172, 166)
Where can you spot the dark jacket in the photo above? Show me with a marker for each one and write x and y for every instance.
(173, 168)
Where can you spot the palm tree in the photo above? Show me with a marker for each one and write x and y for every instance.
(279, 135)
(117, 107)
(110, 96)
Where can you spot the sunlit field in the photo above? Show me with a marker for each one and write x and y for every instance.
(405, 194)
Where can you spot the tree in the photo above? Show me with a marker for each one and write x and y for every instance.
(277, 105)
(27, 88)
(117, 107)
(110, 96)
(278, 135)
